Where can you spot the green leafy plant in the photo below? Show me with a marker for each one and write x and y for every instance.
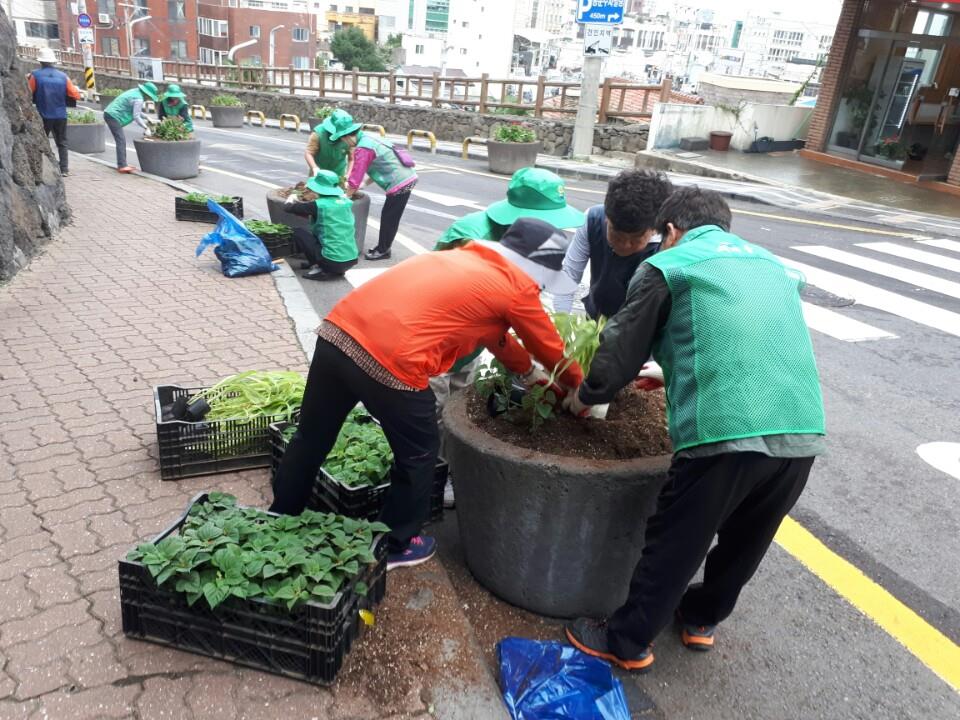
(81, 117)
(513, 99)
(355, 50)
(892, 148)
(171, 129)
(226, 101)
(253, 394)
(323, 112)
(514, 133)
(262, 227)
(201, 198)
(736, 111)
(226, 551)
(110, 92)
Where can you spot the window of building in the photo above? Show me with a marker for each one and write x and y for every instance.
(333, 8)
(931, 23)
(211, 27)
(463, 51)
(107, 6)
(209, 56)
(141, 47)
(47, 31)
(254, 31)
(418, 50)
(368, 11)
(176, 9)
(300, 34)
(252, 60)
(142, 9)
(110, 46)
(178, 49)
(301, 62)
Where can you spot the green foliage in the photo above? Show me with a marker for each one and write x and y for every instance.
(171, 129)
(226, 101)
(224, 551)
(351, 47)
(201, 198)
(81, 117)
(109, 92)
(323, 112)
(858, 100)
(262, 227)
(891, 148)
(581, 337)
(514, 134)
(510, 110)
(252, 394)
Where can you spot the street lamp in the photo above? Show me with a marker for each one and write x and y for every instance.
(129, 23)
(273, 45)
(245, 43)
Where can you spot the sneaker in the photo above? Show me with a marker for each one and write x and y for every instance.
(696, 637)
(64, 173)
(590, 636)
(448, 500)
(126, 169)
(377, 254)
(421, 549)
(317, 273)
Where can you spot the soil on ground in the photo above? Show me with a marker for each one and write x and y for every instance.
(301, 190)
(635, 427)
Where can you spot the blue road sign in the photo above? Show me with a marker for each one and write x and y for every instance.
(600, 12)
(84, 21)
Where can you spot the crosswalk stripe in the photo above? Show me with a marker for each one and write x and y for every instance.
(919, 279)
(943, 244)
(912, 253)
(840, 326)
(358, 276)
(919, 312)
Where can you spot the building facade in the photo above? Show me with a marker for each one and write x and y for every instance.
(35, 22)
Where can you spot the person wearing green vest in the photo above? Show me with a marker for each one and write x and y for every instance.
(389, 167)
(173, 103)
(330, 246)
(126, 108)
(325, 153)
(723, 319)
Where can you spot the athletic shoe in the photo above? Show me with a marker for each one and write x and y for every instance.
(126, 169)
(696, 637)
(448, 499)
(421, 549)
(376, 254)
(319, 274)
(590, 636)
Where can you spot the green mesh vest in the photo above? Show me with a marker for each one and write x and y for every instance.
(736, 354)
(334, 226)
(386, 170)
(121, 109)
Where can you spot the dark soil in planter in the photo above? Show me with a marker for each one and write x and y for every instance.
(635, 427)
(301, 187)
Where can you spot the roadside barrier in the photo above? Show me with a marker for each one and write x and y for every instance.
(424, 134)
(475, 140)
(198, 111)
(290, 116)
(149, 106)
(251, 114)
(379, 128)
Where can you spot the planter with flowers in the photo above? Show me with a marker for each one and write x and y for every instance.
(226, 111)
(169, 152)
(512, 147)
(891, 152)
(85, 132)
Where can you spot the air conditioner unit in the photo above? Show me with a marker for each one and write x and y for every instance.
(103, 18)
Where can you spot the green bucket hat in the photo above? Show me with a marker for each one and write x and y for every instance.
(173, 91)
(325, 183)
(340, 123)
(536, 193)
(150, 90)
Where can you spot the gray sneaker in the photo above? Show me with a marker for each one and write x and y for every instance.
(448, 500)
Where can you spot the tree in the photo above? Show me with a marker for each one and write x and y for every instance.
(351, 47)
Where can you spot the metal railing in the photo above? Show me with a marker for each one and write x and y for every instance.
(537, 97)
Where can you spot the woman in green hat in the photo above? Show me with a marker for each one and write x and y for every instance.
(330, 246)
(173, 103)
(324, 152)
(126, 108)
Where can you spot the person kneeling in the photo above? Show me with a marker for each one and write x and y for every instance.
(330, 245)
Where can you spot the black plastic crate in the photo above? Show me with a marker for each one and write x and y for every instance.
(330, 495)
(197, 212)
(308, 643)
(279, 244)
(188, 449)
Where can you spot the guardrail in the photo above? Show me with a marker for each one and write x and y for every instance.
(473, 139)
(290, 116)
(424, 134)
(198, 111)
(249, 115)
(537, 97)
(379, 128)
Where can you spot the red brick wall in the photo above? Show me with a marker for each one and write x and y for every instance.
(954, 177)
(844, 40)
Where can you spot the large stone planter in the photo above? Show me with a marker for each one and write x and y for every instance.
(175, 160)
(86, 138)
(556, 535)
(227, 116)
(506, 158)
(361, 211)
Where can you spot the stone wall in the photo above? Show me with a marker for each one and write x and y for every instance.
(452, 125)
(717, 95)
(32, 201)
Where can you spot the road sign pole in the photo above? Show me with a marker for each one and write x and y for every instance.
(88, 77)
(587, 107)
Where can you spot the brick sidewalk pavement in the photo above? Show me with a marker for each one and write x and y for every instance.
(116, 305)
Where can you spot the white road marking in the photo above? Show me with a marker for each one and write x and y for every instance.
(238, 176)
(919, 279)
(912, 253)
(944, 456)
(409, 244)
(358, 276)
(446, 200)
(919, 312)
(840, 326)
(943, 244)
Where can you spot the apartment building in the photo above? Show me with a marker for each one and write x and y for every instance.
(34, 22)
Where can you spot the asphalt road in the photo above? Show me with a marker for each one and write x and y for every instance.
(795, 648)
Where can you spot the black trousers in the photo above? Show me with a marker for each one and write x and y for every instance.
(409, 419)
(739, 497)
(390, 215)
(59, 130)
(312, 249)
(119, 139)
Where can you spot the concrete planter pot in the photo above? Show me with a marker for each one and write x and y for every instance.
(175, 160)
(506, 158)
(280, 215)
(720, 140)
(313, 122)
(559, 536)
(86, 138)
(227, 116)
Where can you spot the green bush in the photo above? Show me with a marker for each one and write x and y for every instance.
(199, 197)
(81, 117)
(323, 112)
(226, 101)
(171, 128)
(262, 227)
(110, 92)
(514, 134)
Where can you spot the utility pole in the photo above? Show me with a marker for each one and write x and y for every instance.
(129, 21)
(587, 107)
(597, 17)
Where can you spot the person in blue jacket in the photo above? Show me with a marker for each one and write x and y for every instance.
(52, 91)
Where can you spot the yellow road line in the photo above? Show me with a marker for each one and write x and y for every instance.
(925, 642)
(822, 223)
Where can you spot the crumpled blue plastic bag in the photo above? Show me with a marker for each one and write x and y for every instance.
(240, 251)
(553, 681)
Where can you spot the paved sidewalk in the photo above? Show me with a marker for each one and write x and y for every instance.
(116, 305)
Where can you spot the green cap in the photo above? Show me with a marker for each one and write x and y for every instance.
(325, 183)
(150, 90)
(340, 123)
(536, 193)
(173, 91)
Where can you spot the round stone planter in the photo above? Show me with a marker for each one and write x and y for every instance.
(559, 536)
(86, 138)
(506, 158)
(313, 122)
(227, 116)
(280, 215)
(174, 160)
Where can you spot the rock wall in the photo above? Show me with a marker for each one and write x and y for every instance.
(32, 200)
(452, 125)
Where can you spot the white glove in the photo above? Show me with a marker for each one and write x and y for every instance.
(536, 375)
(291, 199)
(572, 404)
(650, 377)
(147, 132)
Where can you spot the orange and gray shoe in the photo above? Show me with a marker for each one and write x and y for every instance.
(696, 637)
(126, 169)
(590, 636)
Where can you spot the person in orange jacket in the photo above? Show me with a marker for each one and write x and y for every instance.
(52, 92)
(381, 352)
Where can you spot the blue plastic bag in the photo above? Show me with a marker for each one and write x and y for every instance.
(240, 251)
(553, 681)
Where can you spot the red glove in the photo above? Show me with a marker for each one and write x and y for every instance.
(650, 377)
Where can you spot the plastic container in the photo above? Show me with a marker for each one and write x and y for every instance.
(307, 643)
(197, 212)
(279, 244)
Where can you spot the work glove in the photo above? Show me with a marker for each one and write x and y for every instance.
(291, 199)
(536, 375)
(147, 132)
(650, 377)
(573, 405)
